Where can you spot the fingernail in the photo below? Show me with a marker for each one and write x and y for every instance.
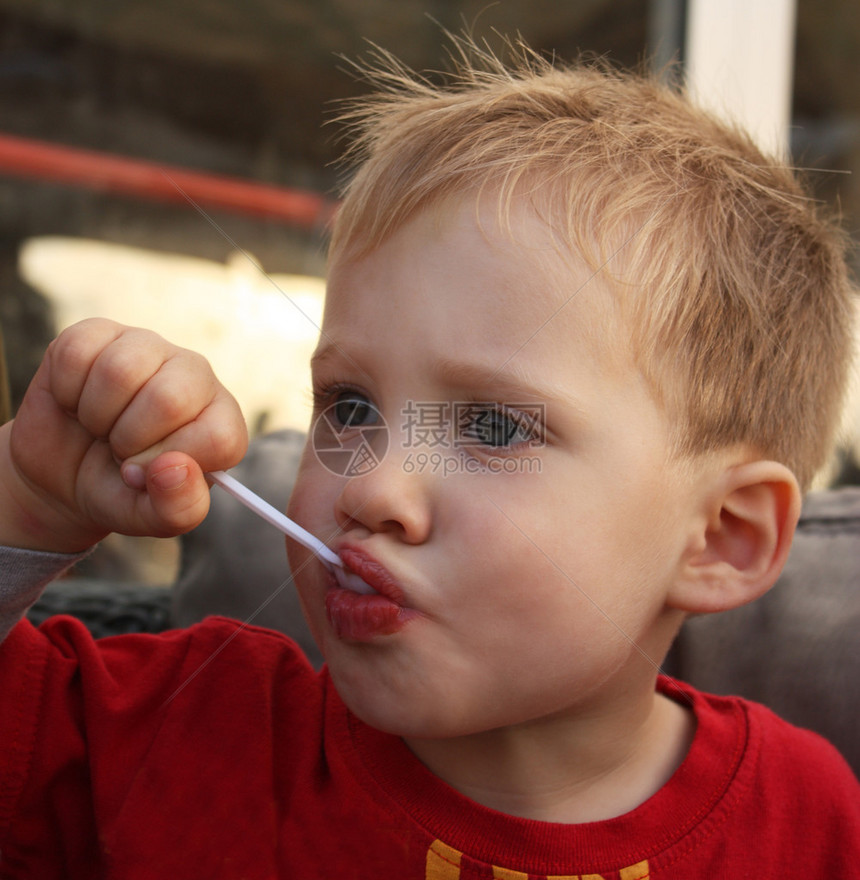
(170, 478)
(134, 476)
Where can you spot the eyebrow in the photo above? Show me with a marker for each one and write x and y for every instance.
(323, 354)
(331, 351)
(510, 383)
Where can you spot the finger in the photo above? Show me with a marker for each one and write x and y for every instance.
(217, 439)
(175, 497)
(176, 395)
(71, 356)
(41, 430)
(117, 375)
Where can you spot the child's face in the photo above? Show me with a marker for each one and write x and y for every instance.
(530, 577)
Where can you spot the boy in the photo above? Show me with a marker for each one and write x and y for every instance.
(635, 332)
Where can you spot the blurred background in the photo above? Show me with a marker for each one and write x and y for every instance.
(168, 163)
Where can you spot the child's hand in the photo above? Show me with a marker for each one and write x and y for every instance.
(114, 434)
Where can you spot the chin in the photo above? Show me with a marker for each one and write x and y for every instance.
(417, 717)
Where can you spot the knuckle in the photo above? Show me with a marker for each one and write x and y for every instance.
(122, 369)
(228, 440)
(198, 366)
(175, 402)
(197, 360)
(85, 335)
(72, 351)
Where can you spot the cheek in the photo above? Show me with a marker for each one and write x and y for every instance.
(298, 509)
(310, 505)
(571, 577)
(312, 500)
(298, 506)
(509, 579)
(306, 478)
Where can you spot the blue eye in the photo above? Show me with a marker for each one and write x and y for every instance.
(491, 426)
(351, 409)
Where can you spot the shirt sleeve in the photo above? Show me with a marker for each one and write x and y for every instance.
(23, 576)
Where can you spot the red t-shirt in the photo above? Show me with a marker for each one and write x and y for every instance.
(218, 752)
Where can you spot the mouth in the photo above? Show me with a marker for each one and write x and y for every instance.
(363, 574)
(363, 600)
(349, 580)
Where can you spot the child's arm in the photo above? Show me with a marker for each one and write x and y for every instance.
(114, 434)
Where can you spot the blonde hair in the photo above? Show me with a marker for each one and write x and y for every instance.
(733, 280)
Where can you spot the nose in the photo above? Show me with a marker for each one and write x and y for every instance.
(389, 498)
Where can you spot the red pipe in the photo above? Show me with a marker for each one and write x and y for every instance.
(164, 183)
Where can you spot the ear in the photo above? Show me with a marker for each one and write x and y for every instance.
(742, 539)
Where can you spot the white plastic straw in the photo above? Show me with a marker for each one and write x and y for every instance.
(274, 516)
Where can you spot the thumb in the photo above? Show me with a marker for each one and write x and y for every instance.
(176, 496)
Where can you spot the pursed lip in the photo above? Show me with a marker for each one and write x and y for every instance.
(372, 572)
(361, 612)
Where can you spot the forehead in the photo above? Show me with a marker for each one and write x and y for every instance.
(501, 266)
